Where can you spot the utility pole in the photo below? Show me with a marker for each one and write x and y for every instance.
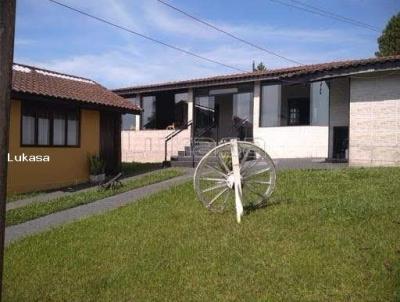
(7, 29)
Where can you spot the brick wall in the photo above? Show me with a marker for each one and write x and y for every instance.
(375, 120)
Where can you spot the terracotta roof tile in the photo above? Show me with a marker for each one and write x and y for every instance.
(37, 81)
(281, 73)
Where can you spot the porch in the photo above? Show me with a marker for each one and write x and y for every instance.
(288, 120)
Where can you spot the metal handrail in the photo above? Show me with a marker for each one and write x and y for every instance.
(236, 127)
(213, 125)
(171, 136)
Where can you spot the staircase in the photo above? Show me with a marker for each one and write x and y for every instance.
(189, 157)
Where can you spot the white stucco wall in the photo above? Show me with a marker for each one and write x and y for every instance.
(375, 120)
(293, 142)
(148, 145)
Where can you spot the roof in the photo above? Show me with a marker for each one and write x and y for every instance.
(331, 69)
(41, 82)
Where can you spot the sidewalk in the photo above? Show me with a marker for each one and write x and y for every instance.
(45, 197)
(97, 207)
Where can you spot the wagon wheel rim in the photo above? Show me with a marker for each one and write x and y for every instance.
(213, 177)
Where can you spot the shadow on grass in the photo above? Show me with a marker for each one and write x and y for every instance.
(268, 203)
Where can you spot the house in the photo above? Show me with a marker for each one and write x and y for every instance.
(56, 121)
(339, 111)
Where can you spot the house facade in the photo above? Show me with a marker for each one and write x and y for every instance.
(338, 111)
(56, 122)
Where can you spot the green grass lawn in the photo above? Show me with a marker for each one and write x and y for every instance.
(133, 168)
(326, 236)
(39, 209)
(127, 169)
(18, 196)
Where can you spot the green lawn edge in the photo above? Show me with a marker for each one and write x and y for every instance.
(39, 209)
(326, 236)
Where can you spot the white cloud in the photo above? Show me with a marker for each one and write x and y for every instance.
(133, 61)
(121, 68)
(117, 11)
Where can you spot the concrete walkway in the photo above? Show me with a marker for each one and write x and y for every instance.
(97, 207)
(45, 197)
(52, 220)
(306, 163)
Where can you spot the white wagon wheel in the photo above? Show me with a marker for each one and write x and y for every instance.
(236, 174)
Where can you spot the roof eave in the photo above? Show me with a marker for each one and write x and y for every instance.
(301, 76)
(23, 95)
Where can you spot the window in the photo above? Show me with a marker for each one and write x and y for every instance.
(298, 112)
(28, 127)
(205, 111)
(243, 114)
(294, 116)
(43, 126)
(129, 120)
(319, 114)
(149, 112)
(72, 129)
(59, 126)
(286, 105)
(270, 106)
(181, 109)
(243, 107)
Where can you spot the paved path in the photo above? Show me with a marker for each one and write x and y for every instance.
(45, 197)
(306, 163)
(47, 222)
(103, 205)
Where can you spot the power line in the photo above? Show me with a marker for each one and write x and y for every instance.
(228, 33)
(337, 15)
(327, 14)
(144, 36)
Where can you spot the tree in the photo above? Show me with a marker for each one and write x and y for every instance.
(389, 41)
(260, 67)
(7, 27)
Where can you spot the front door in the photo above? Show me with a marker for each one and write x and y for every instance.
(340, 142)
(110, 140)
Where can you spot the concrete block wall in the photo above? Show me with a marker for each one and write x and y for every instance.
(148, 145)
(375, 120)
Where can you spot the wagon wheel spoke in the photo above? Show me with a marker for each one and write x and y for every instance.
(252, 190)
(250, 166)
(257, 173)
(226, 197)
(213, 179)
(216, 197)
(214, 187)
(245, 155)
(216, 170)
(222, 162)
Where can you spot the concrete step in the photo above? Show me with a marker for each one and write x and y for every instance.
(182, 153)
(176, 163)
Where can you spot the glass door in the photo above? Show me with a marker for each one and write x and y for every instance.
(242, 118)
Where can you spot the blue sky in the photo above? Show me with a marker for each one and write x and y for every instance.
(53, 37)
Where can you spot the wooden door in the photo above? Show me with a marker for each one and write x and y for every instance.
(110, 140)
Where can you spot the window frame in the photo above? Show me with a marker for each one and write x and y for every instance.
(142, 121)
(64, 110)
(296, 103)
(286, 110)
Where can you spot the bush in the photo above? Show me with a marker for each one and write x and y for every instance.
(96, 165)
